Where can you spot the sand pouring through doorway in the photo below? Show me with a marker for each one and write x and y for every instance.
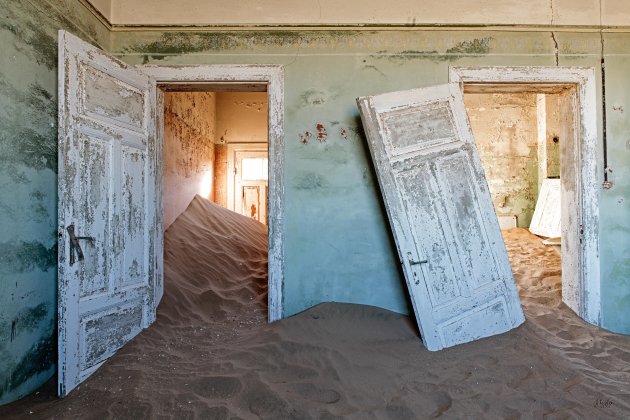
(211, 354)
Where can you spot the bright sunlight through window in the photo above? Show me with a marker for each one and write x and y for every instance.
(255, 169)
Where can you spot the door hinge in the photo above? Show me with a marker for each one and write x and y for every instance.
(581, 233)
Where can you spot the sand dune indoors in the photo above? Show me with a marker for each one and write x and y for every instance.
(211, 355)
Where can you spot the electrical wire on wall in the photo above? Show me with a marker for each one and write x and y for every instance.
(607, 183)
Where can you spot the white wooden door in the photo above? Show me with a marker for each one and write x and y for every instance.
(439, 207)
(546, 220)
(107, 207)
(571, 213)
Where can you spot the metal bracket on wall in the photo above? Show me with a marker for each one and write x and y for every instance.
(607, 182)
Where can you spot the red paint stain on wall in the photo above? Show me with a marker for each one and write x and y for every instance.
(322, 134)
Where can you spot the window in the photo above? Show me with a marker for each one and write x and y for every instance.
(255, 169)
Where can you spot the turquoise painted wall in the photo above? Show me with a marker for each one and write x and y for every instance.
(28, 185)
(615, 203)
(337, 243)
(337, 240)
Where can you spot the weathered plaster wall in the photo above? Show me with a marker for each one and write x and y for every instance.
(505, 129)
(337, 242)
(615, 203)
(221, 175)
(553, 125)
(189, 133)
(28, 185)
(242, 117)
(406, 12)
(104, 7)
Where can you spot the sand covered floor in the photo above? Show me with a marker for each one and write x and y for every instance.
(211, 354)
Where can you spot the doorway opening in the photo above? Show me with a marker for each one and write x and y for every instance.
(252, 83)
(215, 179)
(215, 145)
(535, 132)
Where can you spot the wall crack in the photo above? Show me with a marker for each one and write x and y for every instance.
(553, 35)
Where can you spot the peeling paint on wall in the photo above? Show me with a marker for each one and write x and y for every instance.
(189, 136)
(505, 129)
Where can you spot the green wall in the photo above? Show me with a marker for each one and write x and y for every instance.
(337, 242)
(28, 185)
(615, 203)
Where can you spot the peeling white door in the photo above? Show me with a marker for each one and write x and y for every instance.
(441, 214)
(571, 225)
(107, 207)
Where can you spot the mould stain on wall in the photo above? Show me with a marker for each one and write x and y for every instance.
(473, 47)
(178, 43)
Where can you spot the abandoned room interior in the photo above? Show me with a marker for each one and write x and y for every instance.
(314, 210)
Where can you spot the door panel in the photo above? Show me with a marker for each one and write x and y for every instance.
(439, 207)
(251, 201)
(107, 207)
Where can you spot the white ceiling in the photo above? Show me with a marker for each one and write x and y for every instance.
(336, 12)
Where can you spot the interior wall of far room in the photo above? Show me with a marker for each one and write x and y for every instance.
(242, 117)
(552, 133)
(189, 133)
(505, 130)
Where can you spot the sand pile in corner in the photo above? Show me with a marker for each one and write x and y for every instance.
(215, 264)
(210, 354)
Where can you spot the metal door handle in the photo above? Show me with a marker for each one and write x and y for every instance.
(411, 262)
(74, 244)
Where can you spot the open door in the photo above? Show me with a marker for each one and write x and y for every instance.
(572, 231)
(441, 214)
(108, 237)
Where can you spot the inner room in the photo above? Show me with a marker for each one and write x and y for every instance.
(520, 136)
(215, 179)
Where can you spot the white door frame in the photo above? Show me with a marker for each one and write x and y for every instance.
(242, 77)
(545, 80)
